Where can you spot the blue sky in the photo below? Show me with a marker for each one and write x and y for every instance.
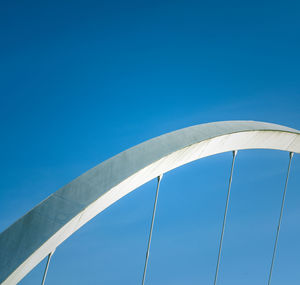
(84, 80)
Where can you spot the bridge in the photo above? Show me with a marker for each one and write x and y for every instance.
(38, 233)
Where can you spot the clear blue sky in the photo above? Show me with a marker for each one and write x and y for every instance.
(81, 81)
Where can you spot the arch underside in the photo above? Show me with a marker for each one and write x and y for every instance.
(29, 240)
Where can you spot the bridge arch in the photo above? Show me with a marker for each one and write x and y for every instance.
(39, 232)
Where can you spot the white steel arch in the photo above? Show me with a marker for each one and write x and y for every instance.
(30, 239)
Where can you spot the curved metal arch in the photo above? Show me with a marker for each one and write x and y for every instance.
(30, 239)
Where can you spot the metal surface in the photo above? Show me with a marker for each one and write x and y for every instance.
(151, 229)
(30, 239)
(225, 216)
(280, 217)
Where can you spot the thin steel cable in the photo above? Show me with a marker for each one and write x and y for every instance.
(280, 217)
(151, 228)
(224, 219)
(46, 269)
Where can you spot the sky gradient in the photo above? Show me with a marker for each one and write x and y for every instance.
(81, 81)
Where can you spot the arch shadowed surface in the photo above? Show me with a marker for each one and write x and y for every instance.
(30, 239)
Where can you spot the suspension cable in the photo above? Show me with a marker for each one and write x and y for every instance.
(225, 215)
(280, 217)
(151, 228)
(46, 268)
